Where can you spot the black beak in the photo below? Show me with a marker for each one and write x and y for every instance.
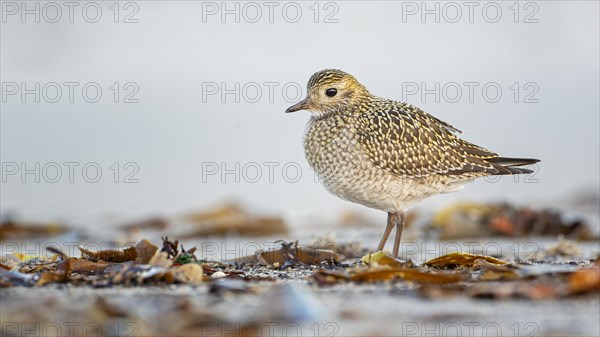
(302, 105)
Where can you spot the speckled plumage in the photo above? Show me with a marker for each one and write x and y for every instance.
(386, 154)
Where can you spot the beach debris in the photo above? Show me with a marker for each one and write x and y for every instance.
(454, 274)
(9, 278)
(153, 223)
(231, 219)
(16, 230)
(222, 220)
(563, 249)
(218, 274)
(134, 265)
(381, 258)
(480, 276)
(145, 250)
(289, 255)
(83, 266)
(386, 273)
(187, 273)
(548, 281)
(142, 252)
(170, 247)
(476, 220)
(383, 273)
(585, 280)
(462, 259)
(161, 259)
(109, 255)
(379, 267)
(36, 271)
(345, 250)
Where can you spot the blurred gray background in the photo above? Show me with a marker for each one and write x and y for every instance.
(182, 132)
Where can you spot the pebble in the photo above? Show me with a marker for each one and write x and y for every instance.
(218, 274)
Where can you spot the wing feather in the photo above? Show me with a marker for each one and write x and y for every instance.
(407, 141)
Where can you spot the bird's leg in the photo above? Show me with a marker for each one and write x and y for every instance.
(400, 217)
(388, 229)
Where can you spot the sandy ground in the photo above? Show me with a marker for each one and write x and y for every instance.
(290, 303)
(345, 310)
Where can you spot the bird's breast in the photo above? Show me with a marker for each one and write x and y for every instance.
(329, 144)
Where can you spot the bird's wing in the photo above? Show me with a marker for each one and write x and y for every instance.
(402, 139)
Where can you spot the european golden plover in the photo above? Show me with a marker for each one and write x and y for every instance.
(385, 154)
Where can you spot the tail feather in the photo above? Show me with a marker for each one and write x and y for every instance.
(508, 165)
(504, 161)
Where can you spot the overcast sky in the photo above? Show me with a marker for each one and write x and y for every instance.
(191, 102)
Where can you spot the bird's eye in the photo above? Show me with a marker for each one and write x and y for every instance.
(331, 92)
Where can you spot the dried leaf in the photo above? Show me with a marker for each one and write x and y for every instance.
(290, 254)
(494, 272)
(329, 277)
(517, 289)
(219, 212)
(384, 273)
(52, 277)
(306, 256)
(232, 218)
(22, 230)
(58, 276)
(110, 255)
(555, 283)
(83, 266)
(239, 225)
(461, 259)
(584, 280)
(381, 258)
(142, 252)
(155, 223)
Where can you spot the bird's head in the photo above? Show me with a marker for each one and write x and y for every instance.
(330, 91)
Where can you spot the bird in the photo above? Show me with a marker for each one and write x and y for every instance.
(387, 154)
